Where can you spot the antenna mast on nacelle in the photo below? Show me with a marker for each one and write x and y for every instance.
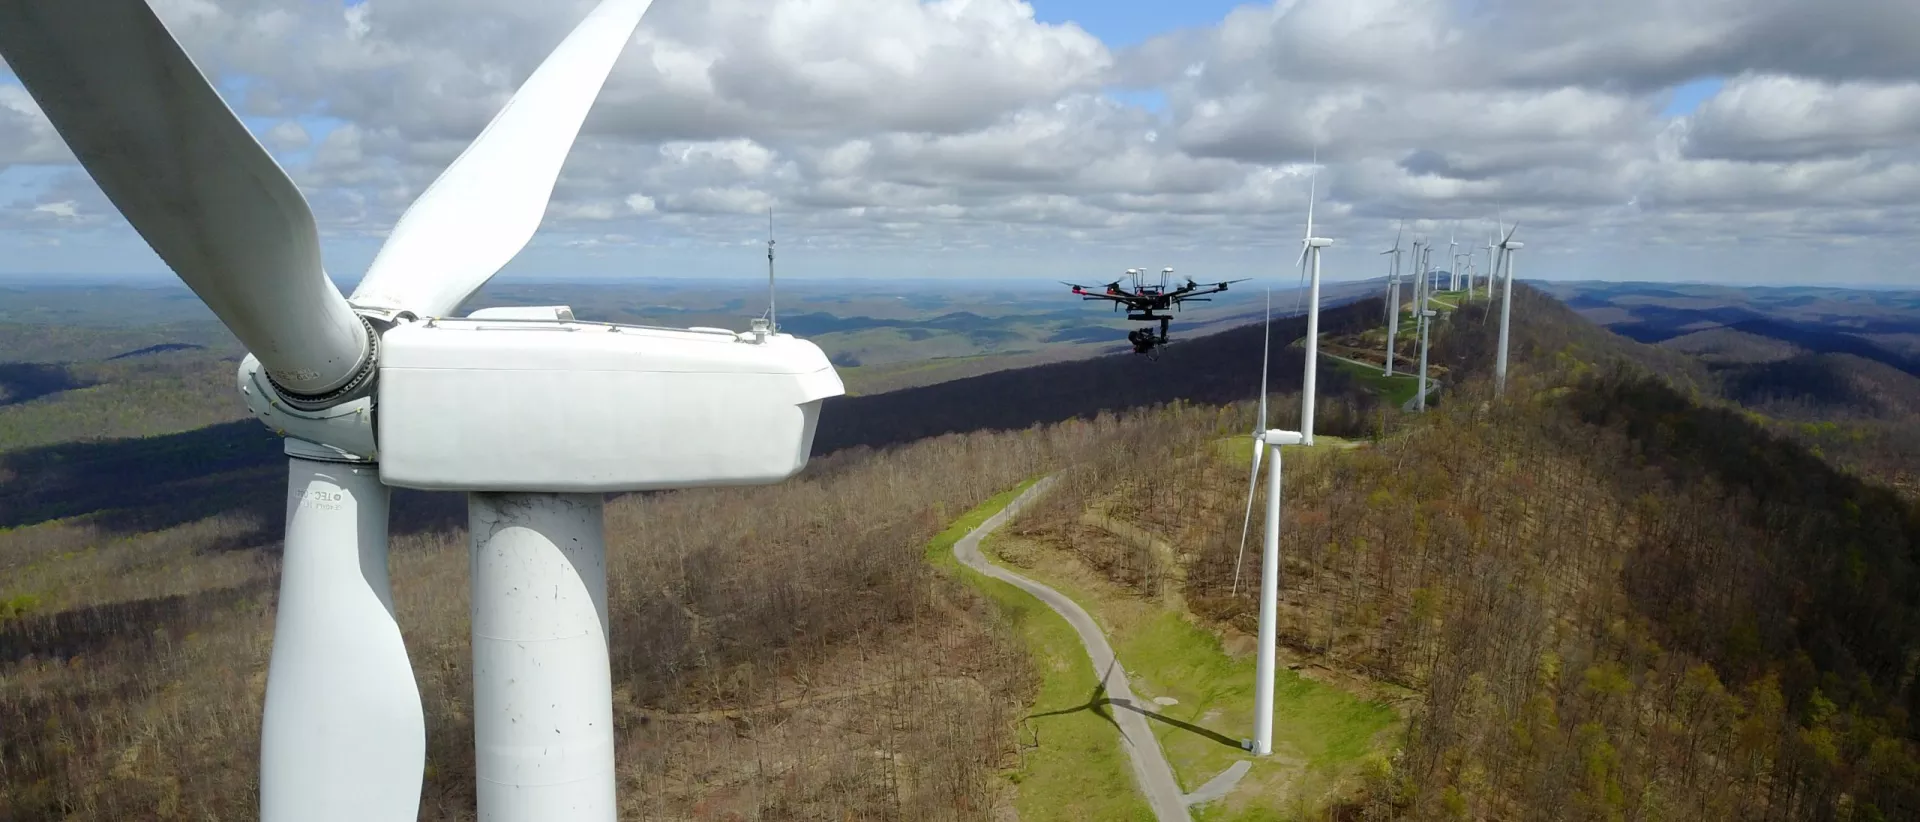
(773, 324)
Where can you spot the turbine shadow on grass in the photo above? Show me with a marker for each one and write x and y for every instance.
(1185, 726)
(1094, 702)
(1099, 699)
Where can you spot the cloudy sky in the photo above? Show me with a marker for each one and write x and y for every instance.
(1761, 141)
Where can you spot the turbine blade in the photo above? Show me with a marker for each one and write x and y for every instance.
(1246, 522)
(486, 206)
(342, 735)
(195, 184)
(1516, 227)
(1313, 185)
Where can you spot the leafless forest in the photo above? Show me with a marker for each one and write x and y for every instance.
(780, 653)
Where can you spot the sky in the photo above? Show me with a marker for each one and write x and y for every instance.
(1741, 141)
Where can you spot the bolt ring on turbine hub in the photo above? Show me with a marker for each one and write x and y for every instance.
(352, 389)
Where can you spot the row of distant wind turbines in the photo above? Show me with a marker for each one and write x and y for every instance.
(1500, 253)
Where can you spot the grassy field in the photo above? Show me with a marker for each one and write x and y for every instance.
(1323, 736)
(1071, 764)
(1397, 389)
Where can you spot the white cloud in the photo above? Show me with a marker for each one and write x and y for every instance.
(288, 135)
(25, 134)
(1773, 117)
(65, 209)
(966, 124)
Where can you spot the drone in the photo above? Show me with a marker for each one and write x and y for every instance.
(1143, 300)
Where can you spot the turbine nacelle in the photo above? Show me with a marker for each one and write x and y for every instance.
(559, 406)
(527, 399)
(1278, 437)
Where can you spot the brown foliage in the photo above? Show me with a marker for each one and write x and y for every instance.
(781, 652)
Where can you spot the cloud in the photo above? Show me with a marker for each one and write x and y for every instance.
(968, 124)
(25, 134)
(1774, 118)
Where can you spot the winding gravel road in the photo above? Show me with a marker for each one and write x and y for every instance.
(1150, 768)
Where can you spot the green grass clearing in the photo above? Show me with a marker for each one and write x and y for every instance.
(1322, 734)
(1397, 389)
(1237, 450)
(1078, 771)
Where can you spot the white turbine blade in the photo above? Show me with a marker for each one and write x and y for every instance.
(195, 184)
(1313, 184)
(1266, 349)
(486, 206)
(342, 735)
(1246, 522)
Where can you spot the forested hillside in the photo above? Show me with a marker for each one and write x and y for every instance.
(1615, 593)
(1619, 598)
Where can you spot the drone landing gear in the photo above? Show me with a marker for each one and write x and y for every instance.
(1144, 340)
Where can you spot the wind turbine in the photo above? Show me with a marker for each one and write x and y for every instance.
(1507, 248)
(1453, 258)
(1310, 248)
(534, 414)
(1264, 439)
(1393, 296)
(1419, 276)
(1426, 327)
(1493, 244)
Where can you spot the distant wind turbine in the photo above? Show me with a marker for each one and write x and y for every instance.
(1310, 248)
(1393, 295)
(1453, 258)
(1507, 247)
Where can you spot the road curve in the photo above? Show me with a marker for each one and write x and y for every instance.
(1150, 768)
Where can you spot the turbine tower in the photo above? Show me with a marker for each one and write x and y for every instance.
(1507, 248)
(1426, 326)
(1393, 296)
(1310, 248)
(537, 416)
(1264, 439)
(1419, 278)
(1453, 258)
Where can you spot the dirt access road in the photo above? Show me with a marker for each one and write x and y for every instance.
(1150, 768)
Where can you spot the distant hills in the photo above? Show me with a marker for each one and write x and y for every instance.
(1221, 367)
